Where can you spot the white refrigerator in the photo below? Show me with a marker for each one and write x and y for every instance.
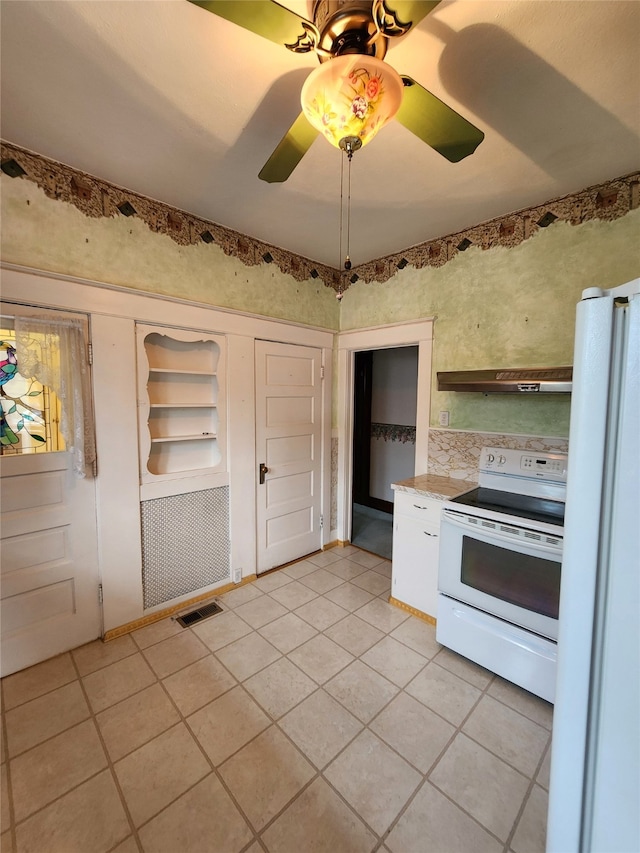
(594, 794)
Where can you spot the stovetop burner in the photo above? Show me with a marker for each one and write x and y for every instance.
(510, 503)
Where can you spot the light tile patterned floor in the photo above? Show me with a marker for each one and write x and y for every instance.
(310, 716)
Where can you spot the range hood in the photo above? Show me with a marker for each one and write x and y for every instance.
(517, 380)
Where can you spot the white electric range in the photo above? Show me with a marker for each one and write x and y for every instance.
(499, 567)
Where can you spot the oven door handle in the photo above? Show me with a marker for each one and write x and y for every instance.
(449, 518)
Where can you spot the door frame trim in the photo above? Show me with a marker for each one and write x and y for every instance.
(417, 333)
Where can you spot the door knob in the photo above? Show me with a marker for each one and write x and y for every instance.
(263, 470)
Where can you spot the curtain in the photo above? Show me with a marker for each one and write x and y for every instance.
(53, 350)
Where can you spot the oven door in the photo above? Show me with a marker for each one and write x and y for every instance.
(504, 569)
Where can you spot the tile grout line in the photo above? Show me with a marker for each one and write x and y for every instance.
(364, 727)
(91, 717)
(319, 773)
(484, 692)
(533, 783)
(531, 779)
(459, 731)
(110, 764)
(275, 721)
(184, 720)
(216, 769)
(426, 776)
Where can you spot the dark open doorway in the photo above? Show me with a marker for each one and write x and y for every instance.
(384, 418)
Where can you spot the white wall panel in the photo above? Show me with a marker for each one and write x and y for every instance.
(118, 488)
(113, 312)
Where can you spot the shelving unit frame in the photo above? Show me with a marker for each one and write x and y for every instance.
(181, 410)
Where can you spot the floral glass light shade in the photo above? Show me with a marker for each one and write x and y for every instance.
(351, 96)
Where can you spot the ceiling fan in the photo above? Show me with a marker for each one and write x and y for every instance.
(354, 92)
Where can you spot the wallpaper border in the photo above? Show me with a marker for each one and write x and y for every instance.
(98, 198)
(394, 432)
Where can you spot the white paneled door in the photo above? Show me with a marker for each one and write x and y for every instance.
(288, 451)
(49, 560)
(49, 565)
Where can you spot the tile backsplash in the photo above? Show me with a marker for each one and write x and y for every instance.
(455, 453)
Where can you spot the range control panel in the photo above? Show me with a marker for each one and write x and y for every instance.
(539, 466)
(543, 463)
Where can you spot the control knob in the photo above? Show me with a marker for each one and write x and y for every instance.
(490, 458)
(501, 460)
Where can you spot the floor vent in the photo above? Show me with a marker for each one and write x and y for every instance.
(194, 616)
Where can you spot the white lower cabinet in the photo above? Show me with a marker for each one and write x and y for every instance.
(416, 538)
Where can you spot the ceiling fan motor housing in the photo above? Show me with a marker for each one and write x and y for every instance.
(369, 94)
(347, 26)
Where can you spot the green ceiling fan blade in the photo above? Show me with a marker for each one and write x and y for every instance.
(408, 12)
(289, 151)
(435, 123)
(267, 19)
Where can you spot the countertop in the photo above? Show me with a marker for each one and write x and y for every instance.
(434, 486)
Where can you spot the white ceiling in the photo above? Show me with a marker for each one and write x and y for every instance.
(168, 100)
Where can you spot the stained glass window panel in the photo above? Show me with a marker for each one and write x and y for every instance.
(29, 411)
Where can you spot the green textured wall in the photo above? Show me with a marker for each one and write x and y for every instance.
(494, 308)
(53, 235)
(504, 308)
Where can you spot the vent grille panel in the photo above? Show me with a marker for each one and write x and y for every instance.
(198, 615)
(185, 544)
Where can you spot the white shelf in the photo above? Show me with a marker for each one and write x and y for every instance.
(177, 370)
(181, 407)
(197, 437)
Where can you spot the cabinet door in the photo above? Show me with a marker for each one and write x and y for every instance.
(420, 507)
(415, 563)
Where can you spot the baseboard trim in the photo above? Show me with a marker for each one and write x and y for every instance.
(413, 610)
(150, 618)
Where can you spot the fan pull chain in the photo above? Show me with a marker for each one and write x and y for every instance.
(347, 260)
(341, 207)
(348, 144)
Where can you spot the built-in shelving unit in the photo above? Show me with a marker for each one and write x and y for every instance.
(181, 407)
(184, 482)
